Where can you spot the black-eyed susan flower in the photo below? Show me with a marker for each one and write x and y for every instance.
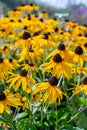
(23, 78)
(82, 87)
(50, 89)
(33, 54)
(8, 99)
(79, 56)
(30, 67)
(65, 54)
(57, 66)
(4, 67)
(24, 41)
(43, 14)
(12, 63)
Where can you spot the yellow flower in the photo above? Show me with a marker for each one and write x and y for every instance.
(33, 54)
(82, 87)
(30, 67)
(4, 67)
(15, 13)
(8, 99)
(66, 55)
(5, 49)
(43, 14)
(57, 66)
(23, 78)
(50, 89)
(79, 56)
(12, 63)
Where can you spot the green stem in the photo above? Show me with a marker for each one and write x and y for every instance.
(42, 113)
(56, 117)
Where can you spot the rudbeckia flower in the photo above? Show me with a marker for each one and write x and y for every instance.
(50, 89)
(43, 14)
(82, 87)
(30, 67)
(24, 41)
(5, 50)
(79, 56)
(23, 78)
(57, 66)
(12, 63)
(65, 54)
(33, 54)
(8, 99)
(4, 67)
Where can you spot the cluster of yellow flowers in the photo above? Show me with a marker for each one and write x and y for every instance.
(33, 47)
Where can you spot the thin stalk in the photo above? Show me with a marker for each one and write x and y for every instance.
(57, 102)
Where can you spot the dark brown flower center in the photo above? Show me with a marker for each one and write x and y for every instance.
(79, 34)
(57, 58)
(55, 19)
(61, 46)
(53, 81)
(23, 73)
(2, 96)
(5, 47)
(25, 27)
(10, 60)
(78, 50)
(84, 81)
(44, 12)
(3, 30)
(31, 4)
(30, 64)
(36, 33)
(19, 20)
(46, 36)
(11, 20)
(26, 35)
(85, 34)
(85, 45)
(56, 29)
(15, 9)
(1, 60)
(41, 19)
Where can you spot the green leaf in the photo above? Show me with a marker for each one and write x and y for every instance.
(70, 127)
(21, 115)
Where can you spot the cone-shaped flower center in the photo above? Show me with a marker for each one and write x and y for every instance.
(1, 60)
(56, 29)
(30, 64)
(53, 81)
(61, 46)
(29, 17)
(26, 35)
(2, 96)
(85, 34)
(85, 45)
(78, 50)
(5, 47)
(23, 73)
(25, 27)
(46, 36)
(57, 58)
(10, 60)
(36, 33)
(84, 81)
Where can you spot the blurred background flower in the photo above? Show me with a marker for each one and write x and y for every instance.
(74, 10)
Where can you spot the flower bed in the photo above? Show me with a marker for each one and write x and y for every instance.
(43, 82)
